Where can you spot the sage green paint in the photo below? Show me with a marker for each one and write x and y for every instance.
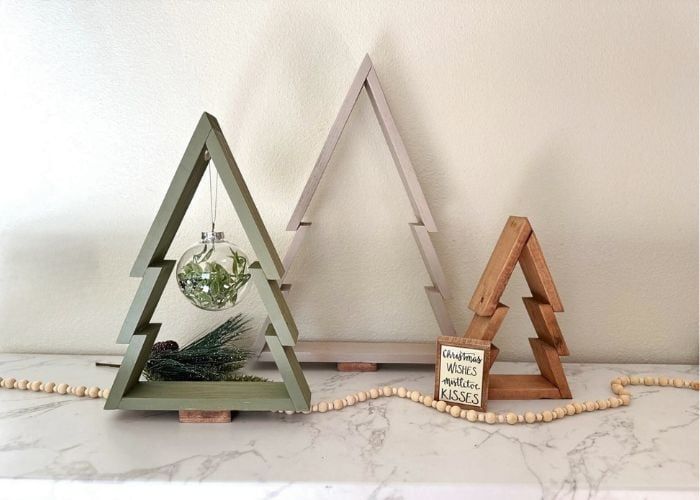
(127, 391)
(276, 306)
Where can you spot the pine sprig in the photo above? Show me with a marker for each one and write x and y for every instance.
(215, 356)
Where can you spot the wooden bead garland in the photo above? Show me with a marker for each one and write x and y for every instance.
(621, 398)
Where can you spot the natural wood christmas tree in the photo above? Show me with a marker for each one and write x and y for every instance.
(281, 334)
(518, 243)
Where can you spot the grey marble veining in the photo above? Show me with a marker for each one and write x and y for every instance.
(53, 445)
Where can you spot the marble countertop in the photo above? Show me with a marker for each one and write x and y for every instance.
(66, 447)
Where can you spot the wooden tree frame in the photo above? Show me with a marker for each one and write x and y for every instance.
(518, 243)
(281, 333)
(372, 352)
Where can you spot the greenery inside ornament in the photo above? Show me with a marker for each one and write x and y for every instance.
(212, 274)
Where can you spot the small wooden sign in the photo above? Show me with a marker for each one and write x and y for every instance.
(462, 372)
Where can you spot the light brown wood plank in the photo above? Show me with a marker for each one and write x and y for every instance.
(537, 274)
(545, 322)
(493, 354)
(550, 366)
(500, 266)
(486, 327)
(204, 417)
(521, 387)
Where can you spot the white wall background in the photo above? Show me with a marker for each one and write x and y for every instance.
(582, 116)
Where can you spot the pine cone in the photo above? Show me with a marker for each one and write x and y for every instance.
(165, 346)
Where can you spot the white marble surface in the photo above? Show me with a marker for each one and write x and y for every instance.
(65, 447)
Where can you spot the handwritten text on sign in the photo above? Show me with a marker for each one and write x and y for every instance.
(461, 375)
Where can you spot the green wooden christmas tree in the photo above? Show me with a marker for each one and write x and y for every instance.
(128, 392)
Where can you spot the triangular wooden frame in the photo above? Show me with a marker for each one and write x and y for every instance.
(281, 334)
(375, 352)
(518, 243)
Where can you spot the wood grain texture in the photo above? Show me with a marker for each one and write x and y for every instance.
(204, 417)
(550, 366)
(421, 353)
(430, 258)
(537, 274)
(331, 142)
(275, 305)
(486, 327)
(356, 367)
(545, 323)
(146, 299)
(245, 207)
(493, 354)
(399, 152)
(500, 266)
(521, 387)
(177, 199)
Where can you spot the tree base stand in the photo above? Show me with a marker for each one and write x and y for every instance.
(356, 367)
(205, 416)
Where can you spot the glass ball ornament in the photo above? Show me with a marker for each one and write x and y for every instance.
(213, 274)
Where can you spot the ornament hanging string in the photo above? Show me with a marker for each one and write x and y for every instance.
(213, 195)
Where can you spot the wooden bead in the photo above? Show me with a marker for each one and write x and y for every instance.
(472, 415)
(428, 400)
(314, 408)
(616, 381)
(373, 393)
(570, 410)
(434, 404)
(394, 391)
(49, 387)
(590, 406)
(625, 399)
(547, 416)
(617, 388)
(649, 381)
(421, 398)
(663, 380)
(560, 412)
(501, 418)
(448, 408)
(455, 411)
(351, 399)
(362, 396)
(602, 404)
(401, 392)
(322, 407)
(415, 396)
(9, 383)
(578, 407)
(23, 384)
(530, 417)
(337, 404)
(463, 414)
(521, 419)
(105, 393)
(695, 385)
(386, 391)
(62, 388)
(677, 382)
(440, 406)
(511, 418)
(34, 386)
(624, 380)
(613, 403)
(539, 417)
(80, 391)
(481, 417)
(490, 417)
